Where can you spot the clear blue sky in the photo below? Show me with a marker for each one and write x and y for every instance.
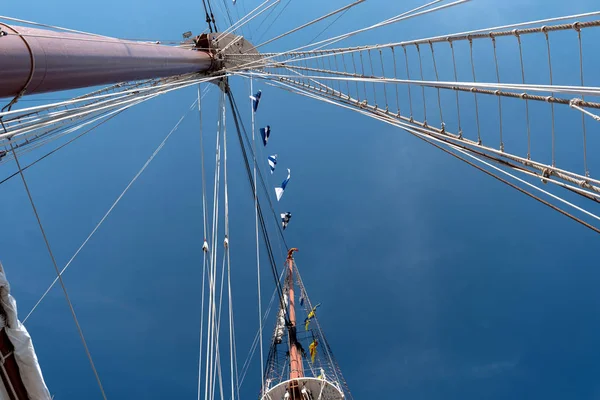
(436, 281)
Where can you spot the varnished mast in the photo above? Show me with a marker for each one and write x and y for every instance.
(296, 368)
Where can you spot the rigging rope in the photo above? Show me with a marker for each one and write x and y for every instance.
(61, 272)
(254, 345)
(585, 165)
(343, 9)
(413, 131)
(227, 251)
(60, 147)
(204, 252)
(267, 241)
(327, 27)
(326, 42)
(270, 25)
(260, 329)
(212, 354)
(266, 189)
(59, 277)
(247, 18)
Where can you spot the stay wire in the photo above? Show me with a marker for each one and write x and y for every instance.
(539, 199)
(203, 252)
(597, 230)
(208, 20)
(58, 148)
(271, 24)
(512, 185)
(59, 277)
(264, 231)
(62, 283)
(212, 16)
(253, 147)
(262, 181)
(327, 27)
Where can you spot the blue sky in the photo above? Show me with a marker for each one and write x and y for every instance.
(436, 281)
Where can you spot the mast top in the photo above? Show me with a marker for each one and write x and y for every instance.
(291, 251)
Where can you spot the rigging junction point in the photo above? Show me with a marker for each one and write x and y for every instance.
(41, 60)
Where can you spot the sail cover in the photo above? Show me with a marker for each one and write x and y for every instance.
(22, 349)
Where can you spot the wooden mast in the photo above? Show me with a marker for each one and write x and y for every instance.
(296, 368)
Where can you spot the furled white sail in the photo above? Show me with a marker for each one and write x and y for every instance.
(27, 361)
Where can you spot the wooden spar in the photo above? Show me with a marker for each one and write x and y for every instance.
(296, 368)
(40, 60)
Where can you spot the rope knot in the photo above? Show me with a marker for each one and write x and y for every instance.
(546, 172)
(497, 92)
(577, 26)
(574, 102)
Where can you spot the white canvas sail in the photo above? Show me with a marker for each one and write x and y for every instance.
(29, 368)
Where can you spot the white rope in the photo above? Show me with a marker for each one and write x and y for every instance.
(32, 134)
(575, 106)
(80, 39)
(62, 284)
(260, 322)
(158, 149)
(269, 184)
(201, 326)
(75, 128)
(24, 21)
(310, 306)
(218, 311)
(398, 18)
(52, 124)
(431, 136)
(54, 131)
(242, 21)
(570, 174)
(314, 21)
(80, 112)
(525, 182)
(254, 345)
(453, 36)
(254, 16)
(203, 252)
(572, 90)
(227, 246)
(428, 40)
(502, 27)
(401, 17)
(212, 353)
(179, 81)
